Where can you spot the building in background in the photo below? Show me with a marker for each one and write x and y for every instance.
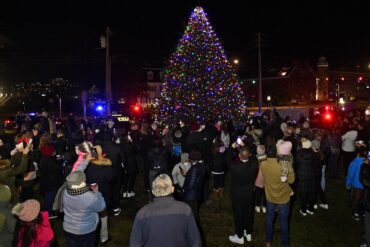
(152, 78)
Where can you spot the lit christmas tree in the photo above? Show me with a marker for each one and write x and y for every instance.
(199, 82)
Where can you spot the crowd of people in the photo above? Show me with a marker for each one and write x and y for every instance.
(80, 170)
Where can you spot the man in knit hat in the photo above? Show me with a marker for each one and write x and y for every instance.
(165, 222)
(7, 221)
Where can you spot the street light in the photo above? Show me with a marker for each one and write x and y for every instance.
(236, 61)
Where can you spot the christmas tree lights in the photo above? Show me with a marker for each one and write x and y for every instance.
(199, 82)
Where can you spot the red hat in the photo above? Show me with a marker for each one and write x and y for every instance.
(47, 150)
(195, 127)
(23, 139)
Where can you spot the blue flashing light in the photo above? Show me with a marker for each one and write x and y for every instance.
(99, 108)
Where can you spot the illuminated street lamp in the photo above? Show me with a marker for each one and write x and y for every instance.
(236, 61)
(268, 100)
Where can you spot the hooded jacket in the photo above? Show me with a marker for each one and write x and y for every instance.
(306, 163)
(100, 171)
(51, 171)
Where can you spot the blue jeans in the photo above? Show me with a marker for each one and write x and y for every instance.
(269, 226)
(49, 198)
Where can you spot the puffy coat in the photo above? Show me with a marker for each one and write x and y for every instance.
(51, 171)
(365, 180)
(353, 175)
(100, 171)
(158, 159)
(194, 182)
(306, 163)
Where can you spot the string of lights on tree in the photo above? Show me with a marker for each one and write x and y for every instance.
(199, 82)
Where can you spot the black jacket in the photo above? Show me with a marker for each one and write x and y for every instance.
(219, 162)
(130, 151)
(158, 159)
(100, 172)
(117, 158)
(243, 174)
(51, 174)
(194, 183)
(306, 166)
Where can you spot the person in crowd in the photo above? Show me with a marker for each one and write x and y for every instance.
(243, 175)
(145, 144)
(348, 147)
(320, 186)
(353, 182)
(225, 135)
(117, 158)
(194, 184)
(158, 158)
(51, 174)
(285, 159)
(165, 222)
(306, 132)
(334, 142)
(99, 172)
(178, 172)
(305, 164)
(33, 229)
(365, 181)
(7, 221)
(16, 166)
(4, 148)
(277, 197)
(260, 197)
(129, 150)
(81, 206)
(218, 168)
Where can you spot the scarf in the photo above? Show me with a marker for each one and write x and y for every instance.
(76, 192)
(79, 160)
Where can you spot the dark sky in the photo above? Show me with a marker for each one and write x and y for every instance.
(60, 38)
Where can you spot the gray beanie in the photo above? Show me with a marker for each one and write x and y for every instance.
(76, 178)
(184, 157)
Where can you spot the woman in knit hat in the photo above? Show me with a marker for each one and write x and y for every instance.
(81, 206)
(100, 172)
(33, 228)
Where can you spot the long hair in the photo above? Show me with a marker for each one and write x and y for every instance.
(26, 231)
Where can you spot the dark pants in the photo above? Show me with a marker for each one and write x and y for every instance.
(86, 240)
(218, 181)
(48, 202)
(116, 191)
(333, 167)
(195, 206)
(367, 228)
(307, 199)
(243, 206)
(284, 228)
(347, 158)
(260, 197)
(128, 182)
(358, 201)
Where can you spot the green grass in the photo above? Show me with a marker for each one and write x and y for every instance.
(327, 228)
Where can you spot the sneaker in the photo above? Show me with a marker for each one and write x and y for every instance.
(103, 242)
(258, 209)
(310, 212)
(124, 195)
(324, 206)
(264, 210)
(235, 239)
(315, 206)
(302, 212)
(116, 211)
(356, 216)
(130, 194)
(248, 237)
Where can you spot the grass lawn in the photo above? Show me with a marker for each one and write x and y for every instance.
(327, 228)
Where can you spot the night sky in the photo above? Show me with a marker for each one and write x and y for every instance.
(61, 38)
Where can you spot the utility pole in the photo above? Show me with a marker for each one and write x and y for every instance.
(108, 85)
(259, 74)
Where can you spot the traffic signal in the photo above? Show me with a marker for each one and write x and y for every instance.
(136, 109)
(327, 116)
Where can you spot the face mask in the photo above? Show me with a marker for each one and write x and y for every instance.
(186, 163)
